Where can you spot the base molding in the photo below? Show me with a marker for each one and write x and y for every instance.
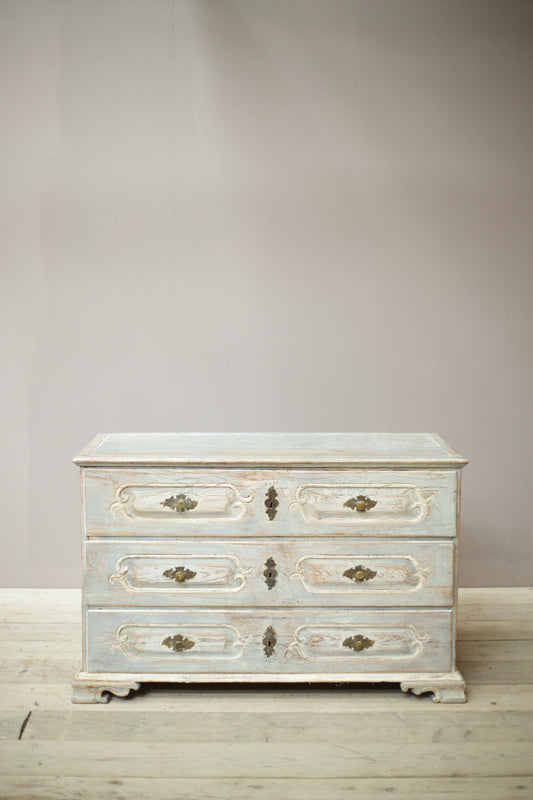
(446, 688)
(97, 687)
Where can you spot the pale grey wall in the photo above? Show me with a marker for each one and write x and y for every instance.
(263, 215)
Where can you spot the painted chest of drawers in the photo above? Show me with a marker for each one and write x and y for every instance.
(269, 557)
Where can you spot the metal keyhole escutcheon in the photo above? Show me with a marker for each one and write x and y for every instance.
(270, 572)
(271, 503)
(269, 641)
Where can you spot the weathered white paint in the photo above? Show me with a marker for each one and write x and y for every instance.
(230, 502)
(307, 641)
(226, 623)
(310, 572)
(295, 449)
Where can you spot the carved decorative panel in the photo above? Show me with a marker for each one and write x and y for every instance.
(326, 574)
(198, 574)
(335, 642)
(208, 642)
(339, 503)
(180, 504)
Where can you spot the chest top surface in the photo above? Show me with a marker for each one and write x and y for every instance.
(270, 449)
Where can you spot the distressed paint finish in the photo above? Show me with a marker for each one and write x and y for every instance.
(384, 574)
(274, 449)
(310, 572)
(101, 692)
(232, 641)
(230, 502)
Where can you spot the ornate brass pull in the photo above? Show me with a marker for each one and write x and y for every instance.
(270, 572)
(271, 503)
(177, 643)
(360, 503)
(180, 503)
(269, 641)
(358, 643)
(179, 574)
(360, 573)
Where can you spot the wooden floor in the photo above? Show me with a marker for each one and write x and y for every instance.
(284, 743)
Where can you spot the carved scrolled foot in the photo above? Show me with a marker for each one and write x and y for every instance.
(446, 689)
(93, 693)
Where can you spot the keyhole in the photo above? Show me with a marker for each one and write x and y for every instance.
(269, 641)
(270, 572)
(271, 503)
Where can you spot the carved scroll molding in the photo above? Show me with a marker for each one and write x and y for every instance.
(100, 693)
(392, 573)
(148, 501)
(315, 503)
(137, 641)
(446, 688)
(316, 643)
(128, 573)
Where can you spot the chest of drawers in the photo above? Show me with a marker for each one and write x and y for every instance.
(269, 557)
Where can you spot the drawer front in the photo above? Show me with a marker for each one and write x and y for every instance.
(305, 572)
(273, 641)
(203, 503)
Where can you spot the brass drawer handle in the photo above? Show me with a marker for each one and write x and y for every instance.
(179, 574)
(358, 643)
(269, 641)
(180, 503)
(360, 573)
(177, 643)
(360, 503)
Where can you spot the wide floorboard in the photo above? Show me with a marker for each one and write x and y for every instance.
(267, 742)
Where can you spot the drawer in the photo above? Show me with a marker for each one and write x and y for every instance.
(269, 641)
(203, 503)
(277, 572)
